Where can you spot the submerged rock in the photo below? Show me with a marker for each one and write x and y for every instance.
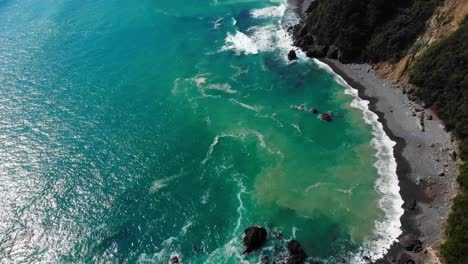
(326, 117)
(314, 111)
(174, 260)
(254, 238)
(297, 254)
(292, 55)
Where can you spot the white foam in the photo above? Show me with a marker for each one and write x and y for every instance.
(232, 249)
(298, 129)
(210, 150)
(241, 208)
(224, 87)
(294, 231)
(185, 228)
(240, 43)
(218, 23)
(169, 241)
(266, 38)
(240, 134)
(161, 183)
(205, 197)
(246, 106)
(157, 185)
(388, 228)
(271, 11)
(199, 80)
(313, 186)
(348, 191)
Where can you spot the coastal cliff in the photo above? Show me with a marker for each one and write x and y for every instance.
(421, 48)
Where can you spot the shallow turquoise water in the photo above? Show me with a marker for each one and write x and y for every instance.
(132, 131)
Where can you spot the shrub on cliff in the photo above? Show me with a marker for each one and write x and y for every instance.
(370, 29)
(441, 73)
(392, 40)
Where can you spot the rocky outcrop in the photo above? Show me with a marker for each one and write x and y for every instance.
(411, 243)
(292, 55)
(309, 44)
(297, 254)
(254, 238)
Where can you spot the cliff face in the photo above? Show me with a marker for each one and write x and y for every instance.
(363, 30)
(445, 20)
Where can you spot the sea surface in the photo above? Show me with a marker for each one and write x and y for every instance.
(134, 131)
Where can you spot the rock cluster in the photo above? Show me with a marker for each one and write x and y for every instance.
(309, 44)
(254, 238)
(297, 254)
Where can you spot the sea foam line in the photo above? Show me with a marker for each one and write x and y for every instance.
(387, 229)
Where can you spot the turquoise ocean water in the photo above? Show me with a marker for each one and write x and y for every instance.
(132, 131)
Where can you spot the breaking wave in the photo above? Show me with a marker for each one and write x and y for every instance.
(387, 229)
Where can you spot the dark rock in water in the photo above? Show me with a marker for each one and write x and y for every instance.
(405, 259)
(410, 243)
(278, 234)
(174, 260)
(254, 238)
(316, 51)
(292, 55)
(314, 111)
(326, 117)
(297, 255)
(333, 52)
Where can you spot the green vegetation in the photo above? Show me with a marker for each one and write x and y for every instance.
(441, 73)
(372, 30)
(382, 30)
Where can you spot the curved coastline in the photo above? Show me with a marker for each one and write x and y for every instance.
(419, 155)
(388, 229)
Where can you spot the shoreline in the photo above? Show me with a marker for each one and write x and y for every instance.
(425, 153)
(420, 156)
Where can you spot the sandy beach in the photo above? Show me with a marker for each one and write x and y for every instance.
(427, 166)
